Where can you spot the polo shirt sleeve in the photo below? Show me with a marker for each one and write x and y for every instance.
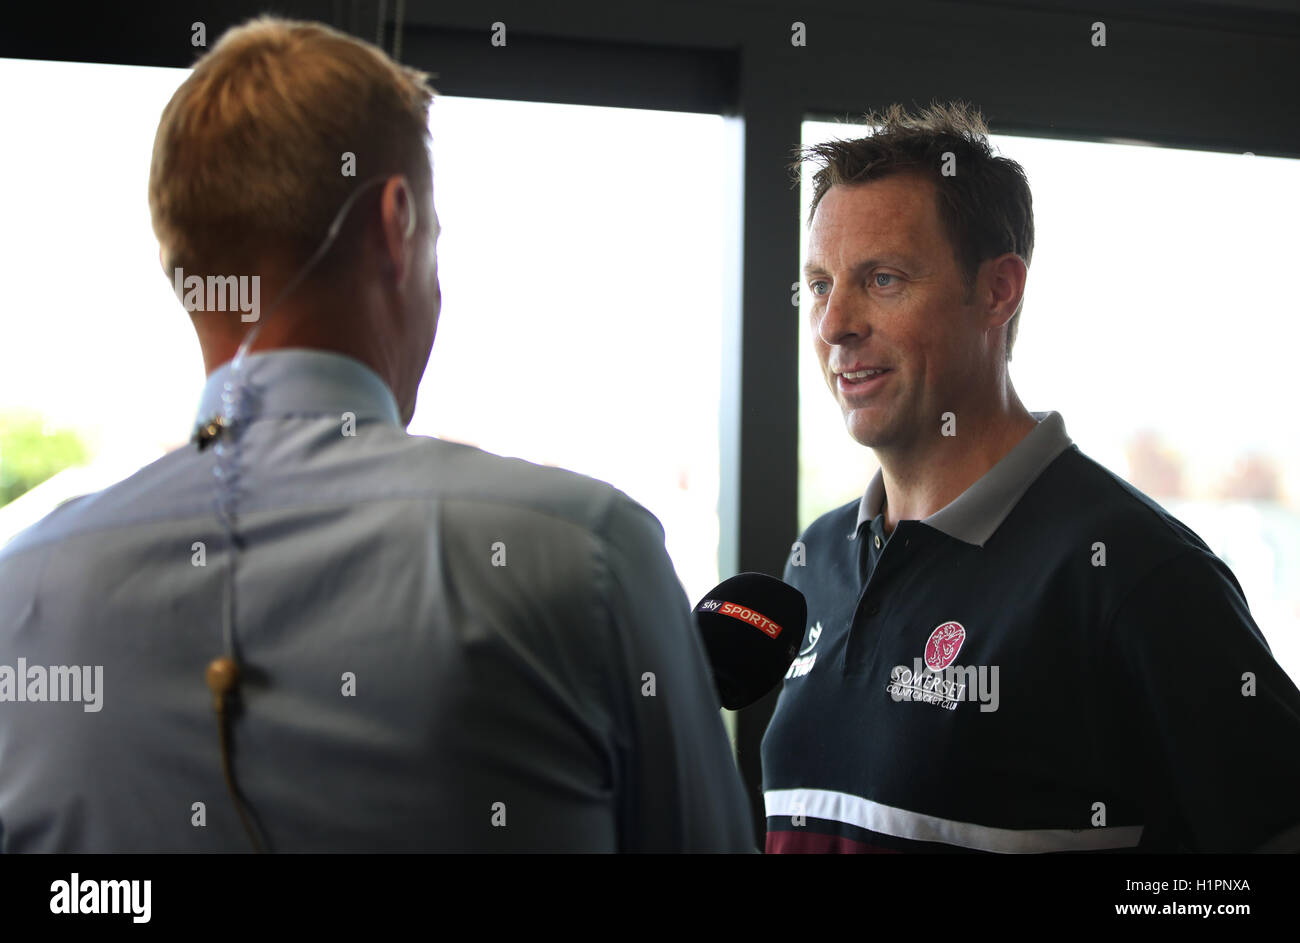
(1212, 720)
(680, 788)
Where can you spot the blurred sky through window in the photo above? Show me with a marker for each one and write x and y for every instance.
(580, 261)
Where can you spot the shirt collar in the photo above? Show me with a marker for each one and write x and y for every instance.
(978, 511)
(303, 382)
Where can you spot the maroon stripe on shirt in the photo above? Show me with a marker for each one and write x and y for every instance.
(813, 843)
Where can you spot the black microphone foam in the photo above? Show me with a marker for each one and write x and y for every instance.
(751, 626)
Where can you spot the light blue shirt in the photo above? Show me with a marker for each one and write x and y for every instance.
(524, 671)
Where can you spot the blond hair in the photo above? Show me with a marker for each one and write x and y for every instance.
(986, 207)
(250, 150)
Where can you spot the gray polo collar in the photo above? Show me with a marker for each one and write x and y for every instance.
(978, 511)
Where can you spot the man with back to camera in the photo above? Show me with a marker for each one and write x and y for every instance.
(1010, 649)
(431, 647)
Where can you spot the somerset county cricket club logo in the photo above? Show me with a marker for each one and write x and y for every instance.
(937, 680)
(945, 642)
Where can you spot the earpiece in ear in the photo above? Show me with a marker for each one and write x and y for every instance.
(410, 222)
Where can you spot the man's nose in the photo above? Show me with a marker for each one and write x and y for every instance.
(841, 318)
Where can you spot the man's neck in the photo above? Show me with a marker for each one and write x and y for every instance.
(917, 486)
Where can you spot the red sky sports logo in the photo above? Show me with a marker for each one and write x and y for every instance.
(744, 614)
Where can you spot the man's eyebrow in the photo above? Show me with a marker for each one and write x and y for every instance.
(812, 268)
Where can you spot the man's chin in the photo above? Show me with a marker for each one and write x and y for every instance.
(870, 433)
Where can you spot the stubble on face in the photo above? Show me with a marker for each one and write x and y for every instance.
(888, 231)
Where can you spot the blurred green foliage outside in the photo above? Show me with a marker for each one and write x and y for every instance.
(31, 451)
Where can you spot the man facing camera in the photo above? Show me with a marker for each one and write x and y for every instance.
(1010, 648)
(312, 631)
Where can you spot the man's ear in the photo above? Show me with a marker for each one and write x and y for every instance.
(1008, 275)
(397, 211)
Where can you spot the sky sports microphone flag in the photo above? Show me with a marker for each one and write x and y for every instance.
(751, 626)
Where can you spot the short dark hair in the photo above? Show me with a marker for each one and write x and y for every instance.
(985, 207)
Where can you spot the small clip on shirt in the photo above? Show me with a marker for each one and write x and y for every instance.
(209, 432)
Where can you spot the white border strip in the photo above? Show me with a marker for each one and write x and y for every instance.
(901, 823)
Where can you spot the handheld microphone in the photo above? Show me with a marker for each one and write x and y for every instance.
(751, 626)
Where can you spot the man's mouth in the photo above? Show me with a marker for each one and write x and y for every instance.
(861, 380)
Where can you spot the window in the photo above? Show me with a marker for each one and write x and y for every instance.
(580, 262)
(580, 265)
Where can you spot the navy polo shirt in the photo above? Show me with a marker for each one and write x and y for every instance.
(1050, 663)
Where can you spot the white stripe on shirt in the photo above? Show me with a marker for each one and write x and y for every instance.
(903, 823)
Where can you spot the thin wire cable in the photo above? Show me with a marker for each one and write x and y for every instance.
(241, 804)
(226, 471)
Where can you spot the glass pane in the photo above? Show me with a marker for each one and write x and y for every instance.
(1158, 323)
(95, 344)
(579, 261)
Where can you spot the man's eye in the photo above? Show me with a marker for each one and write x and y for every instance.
(883, 275)
(815, 287)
